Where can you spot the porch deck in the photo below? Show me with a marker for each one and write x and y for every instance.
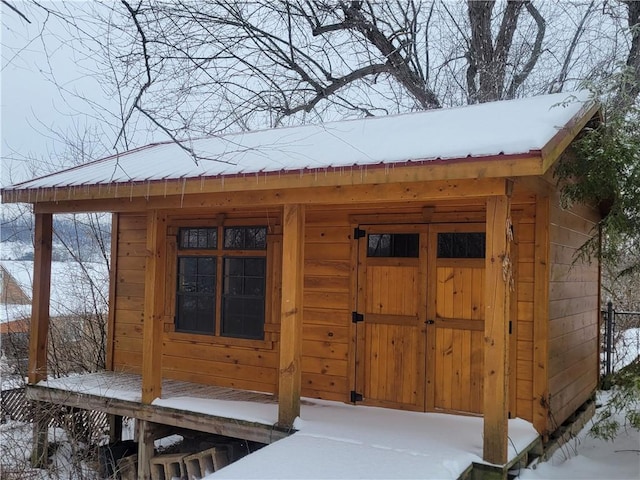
(224, 411)
(332, 439)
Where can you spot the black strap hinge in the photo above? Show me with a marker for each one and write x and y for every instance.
(510, 327)
(356, 397)
(358, 233)
(357, 317)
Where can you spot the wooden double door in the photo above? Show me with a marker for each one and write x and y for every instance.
(420, 316)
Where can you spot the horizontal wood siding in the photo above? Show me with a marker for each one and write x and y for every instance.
(573, 314)
(192, 358)
(327, 324)
(525, 238)
(129, 294)
(328, 349)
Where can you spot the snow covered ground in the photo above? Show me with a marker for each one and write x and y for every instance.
(331, 444)
(586, 457)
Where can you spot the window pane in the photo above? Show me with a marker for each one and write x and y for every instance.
(254, 286)
(233, 285)
(461, 245)
(245, 238)
(205, 238)
(393, 245)
(233, 238)
(195, 303)
(243, 297)
(254, 266)
(243, 318)
(233, 266)
(256, 238)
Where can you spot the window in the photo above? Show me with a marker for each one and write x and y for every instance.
(198, 238)
(393, 245)
(221, 291)
(461, 245)
(196, 300)
(243, 297)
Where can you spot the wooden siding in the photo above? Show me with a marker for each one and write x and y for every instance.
(192, 358)
(328, 341)
(326, 333)
(129, 292)
(524, 236)
(573, 314)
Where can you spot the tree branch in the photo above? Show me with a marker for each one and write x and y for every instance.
(519, 78)
(630, 82)
(337, 84)
(558, 84)
(147, 84)
(5, 2)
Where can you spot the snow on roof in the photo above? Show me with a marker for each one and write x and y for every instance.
(499, 128)
(70, 289)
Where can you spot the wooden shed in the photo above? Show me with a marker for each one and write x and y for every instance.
(419, 262)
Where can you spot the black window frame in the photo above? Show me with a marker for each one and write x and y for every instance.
(397, 245)
(461, 245)
(225, 323)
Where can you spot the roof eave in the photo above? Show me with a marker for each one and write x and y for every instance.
(495, 166)
(554, 148)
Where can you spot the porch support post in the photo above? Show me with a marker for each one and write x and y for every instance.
(145, 437)
(541, 318)
(154, 282)
(39, 326)
(39, 331)
(496, 328)
(290, 373)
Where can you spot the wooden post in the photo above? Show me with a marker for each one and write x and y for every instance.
(40, 431)
(115, 428)
(496, 330)
(154, 282)
(39, 326)
(113, 283)
(290, 375)
(541, 318)
(39, 330)
(145, 437)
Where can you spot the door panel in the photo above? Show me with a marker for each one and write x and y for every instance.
(421, 344)
(391, 339)
(456, 336)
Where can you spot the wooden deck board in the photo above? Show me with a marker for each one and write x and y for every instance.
(120, 394)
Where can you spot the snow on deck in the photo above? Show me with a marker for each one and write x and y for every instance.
(334, 440)
(337, 440)
(507, 127)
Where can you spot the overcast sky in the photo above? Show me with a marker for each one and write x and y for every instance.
(32, 107)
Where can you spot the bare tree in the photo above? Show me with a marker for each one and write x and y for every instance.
(187, 69)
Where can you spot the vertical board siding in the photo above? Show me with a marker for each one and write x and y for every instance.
(327, 306)
(573, 314)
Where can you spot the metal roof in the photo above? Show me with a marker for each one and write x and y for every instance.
(510, 127)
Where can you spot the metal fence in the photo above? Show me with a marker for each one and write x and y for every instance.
(620, 335)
